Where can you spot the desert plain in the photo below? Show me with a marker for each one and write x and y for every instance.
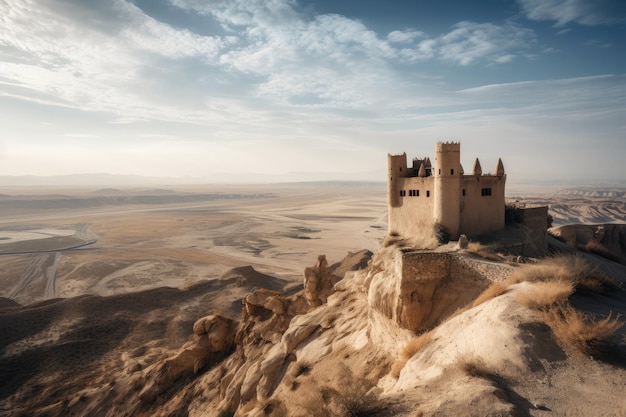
(68, 242)
(100, 289)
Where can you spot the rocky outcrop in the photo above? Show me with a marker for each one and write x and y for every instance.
(213, 339)
(318, 282)
(607, 240)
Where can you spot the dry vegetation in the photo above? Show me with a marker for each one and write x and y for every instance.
(475, 367)
(494, 290)
(415, 345)
(577, 330)
(545, 293)
(553, 281)
(574, 269)
(483, 251)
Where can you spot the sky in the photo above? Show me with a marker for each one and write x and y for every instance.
(262, 90)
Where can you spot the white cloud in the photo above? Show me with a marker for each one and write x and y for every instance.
(469, 42)
(112, 57)
(404, 36)
(586, 12)
(50, 57)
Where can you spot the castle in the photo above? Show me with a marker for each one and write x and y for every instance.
(422, 197)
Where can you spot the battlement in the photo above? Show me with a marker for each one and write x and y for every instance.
(448, 147)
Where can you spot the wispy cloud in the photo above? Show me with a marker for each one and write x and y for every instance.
(112, 57)
(470, 42)
(586, 12)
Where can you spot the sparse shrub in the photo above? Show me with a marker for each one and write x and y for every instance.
(226, 413)
(441, 233)
(475, 368)
(358, 401)
(275, 408)
(575, 269)
(416, 344)
(483, 251)
(543, 294)
(580, 331)
(412, 347)
(302, 368)
(494, 290)
(393, 238)
(597, 248)
(363, 404)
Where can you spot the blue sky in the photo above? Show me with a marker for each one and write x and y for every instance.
(267, 89)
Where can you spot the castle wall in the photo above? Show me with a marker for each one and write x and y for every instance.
(482, 213)
(432, 287)
(414, 215)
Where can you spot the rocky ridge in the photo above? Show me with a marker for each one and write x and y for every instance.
(403, 336)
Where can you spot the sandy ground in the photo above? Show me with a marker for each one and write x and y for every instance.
(129, 247)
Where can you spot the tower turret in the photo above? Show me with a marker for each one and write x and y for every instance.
(500, 168)
(447, 173)
(397, 169)
(422, 171)
(478, 171)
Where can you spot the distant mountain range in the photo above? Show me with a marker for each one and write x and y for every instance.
(107, 180)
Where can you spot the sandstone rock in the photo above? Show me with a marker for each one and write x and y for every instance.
(260, 300)
(213, 338)
(276, 304)
(318, 282)
(270, 369)
(299, 329)
(250, 382)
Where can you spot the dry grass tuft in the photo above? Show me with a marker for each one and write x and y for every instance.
(574, 269)
(302, 368)
(580, 331)
(475, 368)
(494, 290)
(415, 345)
(543, 294)
(483, 251)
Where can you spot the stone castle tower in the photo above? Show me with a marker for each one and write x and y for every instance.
(422, 196)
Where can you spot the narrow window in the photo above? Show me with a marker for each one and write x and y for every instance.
(485, 191)
(463, 192)
(439, 171)
(427, 193)
(452, 172)
(417, 193)
(410, 193)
